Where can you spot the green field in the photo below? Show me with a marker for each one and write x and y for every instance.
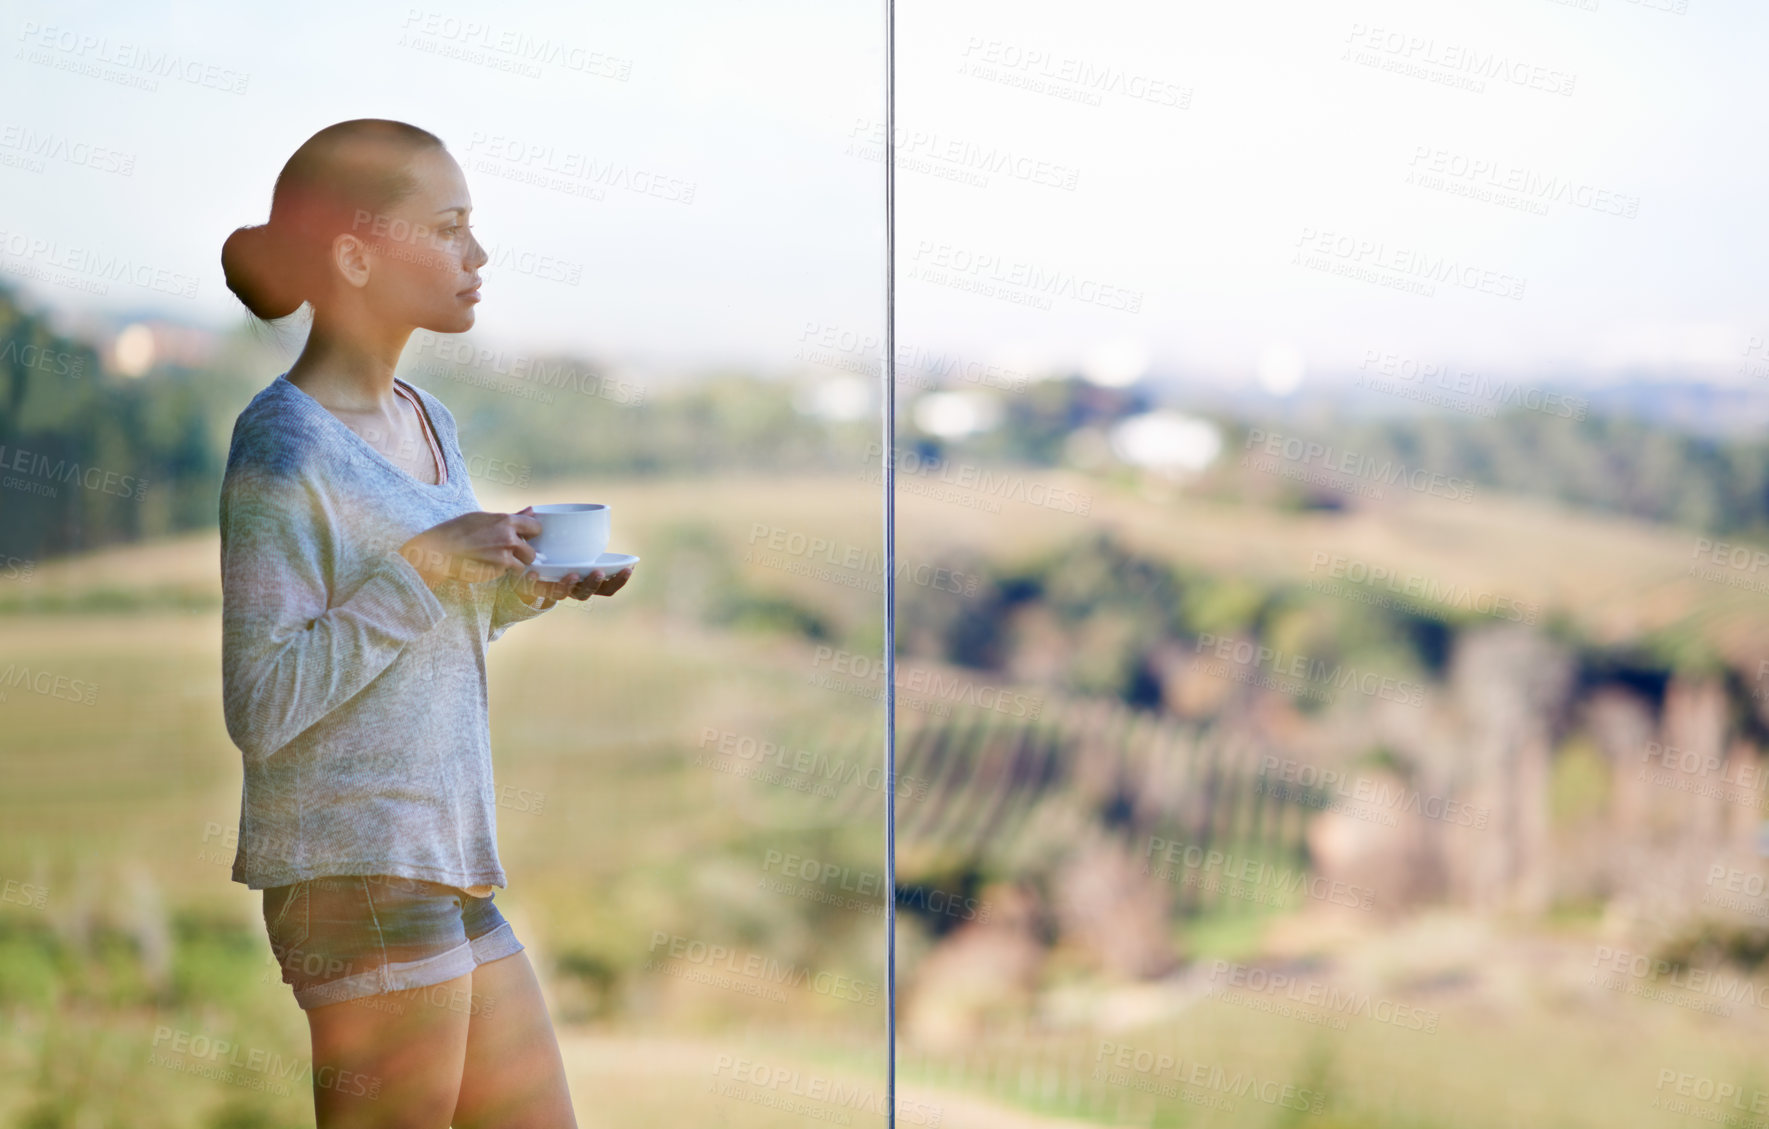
(120, 813)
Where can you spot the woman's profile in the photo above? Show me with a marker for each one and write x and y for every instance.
(361, 585)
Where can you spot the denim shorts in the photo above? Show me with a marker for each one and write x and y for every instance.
(344, 937)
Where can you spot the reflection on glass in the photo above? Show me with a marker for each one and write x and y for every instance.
(1339, 421)
(497, 787)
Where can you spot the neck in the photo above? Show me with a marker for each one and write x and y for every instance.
(349, 366)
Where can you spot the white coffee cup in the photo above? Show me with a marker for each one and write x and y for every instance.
(571, 532)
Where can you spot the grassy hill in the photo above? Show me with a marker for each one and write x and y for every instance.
(122, 810)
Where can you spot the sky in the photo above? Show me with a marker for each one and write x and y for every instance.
(1266, 190)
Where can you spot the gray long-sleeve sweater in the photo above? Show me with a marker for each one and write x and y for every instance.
(355, 693)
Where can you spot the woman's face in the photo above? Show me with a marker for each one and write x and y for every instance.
(424, 260)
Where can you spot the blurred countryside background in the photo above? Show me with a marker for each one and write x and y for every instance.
(1332, 531)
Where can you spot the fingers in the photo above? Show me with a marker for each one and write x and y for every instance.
(599, 582)
(531, 584)
(552, 590)
(612, 584)
(525, 523)
(589, 585)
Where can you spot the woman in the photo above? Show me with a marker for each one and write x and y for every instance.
(361, 584)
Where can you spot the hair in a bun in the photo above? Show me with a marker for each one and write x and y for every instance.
(361, 164)
(259, 272)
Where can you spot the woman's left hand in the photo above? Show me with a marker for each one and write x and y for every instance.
(530, 587)
(600, 582)
(578, 586)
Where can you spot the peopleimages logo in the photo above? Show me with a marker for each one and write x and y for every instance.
(791, 1091)
(813, 766)
(1355, 465)
(868, 886)
(1713, 991)
(989, 484)
(120, 61)
(1413, 375)
(1335, 1003)
(36, 147)
(1340, 676)
(1417, 588)
(944, 688)
(1732, 781)
(937, 262)
(1123, 1064)
(91, 267)
(1711, 1091)
(918, 148)
(56, 362)
(47, 683)
(1419, 270)
(1366, 790)
(1459, 59)
(37, 470)
(28, 894)
(806, 554)
(1066, 76)
(920, 366)
(759, 967)
(1536, 188)
(258, 1064)
(505, 48)
(1738, 565)
(1193, 864)
(541, 162)
(1740, 558)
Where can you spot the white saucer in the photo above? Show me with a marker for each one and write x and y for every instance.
(556, 570)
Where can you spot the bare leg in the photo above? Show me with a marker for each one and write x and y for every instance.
(390, 1061)
(514, 1077)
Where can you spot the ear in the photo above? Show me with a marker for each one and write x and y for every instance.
(350, 254)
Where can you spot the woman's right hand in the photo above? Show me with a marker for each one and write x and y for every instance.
(473, 547)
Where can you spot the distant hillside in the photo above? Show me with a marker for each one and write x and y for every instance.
(95, 458)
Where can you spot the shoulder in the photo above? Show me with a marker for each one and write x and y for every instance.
(272, 434)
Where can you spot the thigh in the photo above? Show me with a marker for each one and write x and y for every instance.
(377, 963)
(389, 1062)
(514, 1077)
